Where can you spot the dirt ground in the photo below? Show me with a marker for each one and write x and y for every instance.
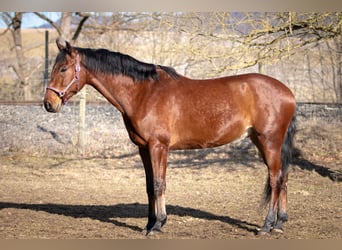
(211, 194)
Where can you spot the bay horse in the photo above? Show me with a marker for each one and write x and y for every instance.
(163, 110)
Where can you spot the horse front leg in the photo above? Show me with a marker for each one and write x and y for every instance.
(159, 154)
(155, 168)
(146, 159)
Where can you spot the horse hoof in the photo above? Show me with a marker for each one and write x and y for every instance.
(262, 232)
(278, 230)
(151, 232)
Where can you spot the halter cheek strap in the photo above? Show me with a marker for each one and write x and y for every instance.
(61, 93)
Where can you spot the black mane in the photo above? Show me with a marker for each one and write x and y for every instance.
(109, 62)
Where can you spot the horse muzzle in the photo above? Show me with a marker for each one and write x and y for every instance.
(52, 103)
(52, 108)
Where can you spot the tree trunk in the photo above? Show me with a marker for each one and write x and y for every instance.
(21, 69)
(66, 26)
(338, 42)
(81, 125)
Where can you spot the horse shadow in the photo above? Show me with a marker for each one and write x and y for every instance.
(228, 156)
(243, 152)
(304, 164)
(111, 213)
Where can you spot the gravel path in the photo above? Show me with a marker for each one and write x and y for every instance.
(32, 129)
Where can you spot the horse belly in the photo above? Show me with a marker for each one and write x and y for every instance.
(208, 135)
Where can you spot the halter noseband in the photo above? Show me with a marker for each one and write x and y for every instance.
(61, 93)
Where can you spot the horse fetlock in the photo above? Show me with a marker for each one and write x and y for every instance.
(282, 216)
(155, 223)
(156, 228)
(163, 219)
(269, 223)
(278, 227)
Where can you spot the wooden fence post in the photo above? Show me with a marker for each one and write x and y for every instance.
(81, 126)
(46, 70)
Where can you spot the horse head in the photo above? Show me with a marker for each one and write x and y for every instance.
(65, 78)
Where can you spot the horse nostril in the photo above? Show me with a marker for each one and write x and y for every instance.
(48, 106)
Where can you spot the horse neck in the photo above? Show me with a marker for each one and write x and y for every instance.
(118, 90)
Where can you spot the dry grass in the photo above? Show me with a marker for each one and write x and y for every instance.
(321, 142)
(33, 43)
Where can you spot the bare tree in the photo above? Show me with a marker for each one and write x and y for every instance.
(13, 22)
(223, 43)
(335, 54)
(22, 68)
(253, 37)
(212, 43)
(64, 29)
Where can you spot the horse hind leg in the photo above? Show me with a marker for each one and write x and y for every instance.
(277, 214)
(286, 157)
(282, 202)
(271, 153)
(273, 191)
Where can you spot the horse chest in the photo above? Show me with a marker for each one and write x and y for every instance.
(133, 133)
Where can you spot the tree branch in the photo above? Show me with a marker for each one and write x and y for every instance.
(5, 31)
(54, 24)
(80, 25)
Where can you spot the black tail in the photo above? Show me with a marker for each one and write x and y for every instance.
(288, 151)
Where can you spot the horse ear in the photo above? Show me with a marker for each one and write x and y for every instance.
(69, 49)
(59, 45)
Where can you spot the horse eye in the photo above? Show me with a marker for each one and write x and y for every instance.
(63, 69)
